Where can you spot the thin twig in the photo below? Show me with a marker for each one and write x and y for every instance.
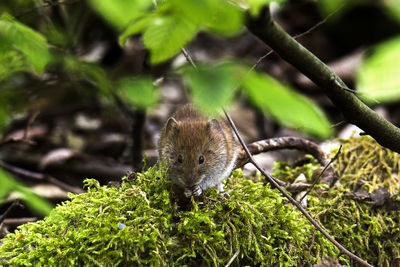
(340, 123)
(261, 59)
(233, 257)
(39, 176)
(25, 137)
(16, 141)
(9, 209)
(138, 119)
(337, 83)
(188, 57)
(322, 172)
(29, 124)
(19, 221)
(293, 201)
(297, 37)
(47, 4)
(312, 245)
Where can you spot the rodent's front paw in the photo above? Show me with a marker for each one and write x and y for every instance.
(197, 190)
(188, 193)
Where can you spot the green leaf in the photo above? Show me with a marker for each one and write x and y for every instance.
(167, 35)
(378, 78)
(137, 26)
(3, 118)
(224, 18)
(140, 92)
(218, 16)
(176, 22)
(212, 87)
(11, 62)
(8, 185)
(338, 7)
(120, 12)
(25, 40)
(393, 8)
(255, 6)
(286, 106)
(90, 72)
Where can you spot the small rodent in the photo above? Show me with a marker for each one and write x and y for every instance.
(200, 153)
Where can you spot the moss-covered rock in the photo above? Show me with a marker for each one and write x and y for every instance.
(372, 232)
(139, 223)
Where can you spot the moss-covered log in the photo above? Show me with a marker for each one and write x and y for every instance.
(139, 223)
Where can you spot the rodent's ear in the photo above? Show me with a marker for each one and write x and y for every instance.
(214, 125)
(172, 125)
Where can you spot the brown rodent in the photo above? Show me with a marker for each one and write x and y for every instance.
(199, 152)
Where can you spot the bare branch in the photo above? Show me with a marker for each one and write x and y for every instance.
(39, 176)
(353, 109)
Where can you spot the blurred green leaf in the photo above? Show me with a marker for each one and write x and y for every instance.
(11, 62)
(378, 78)
(328, 7)
(218, 16)
(255, 6)
(120, 12)
(286, 106)
(393, 8)
(56, 35)
(90, 72)
(4, 115)
(212, 87)
(165, 37)
(3, 119)
(174, 23)
(140, 92)
(224, 18)
(17, 36)
(11, 102)
(8, 185)
(137, 26)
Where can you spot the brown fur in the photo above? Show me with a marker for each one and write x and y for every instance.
(191, 135)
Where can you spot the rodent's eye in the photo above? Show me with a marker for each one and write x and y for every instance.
(201, 160)
(180, 159)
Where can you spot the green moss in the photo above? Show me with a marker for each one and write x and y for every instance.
(139, 223)
(373, 233)
(364, 159)
(89, 229)
(285, 172)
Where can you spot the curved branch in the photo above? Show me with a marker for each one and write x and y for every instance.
(353, 109)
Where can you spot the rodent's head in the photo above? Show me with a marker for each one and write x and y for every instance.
(194, 150)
